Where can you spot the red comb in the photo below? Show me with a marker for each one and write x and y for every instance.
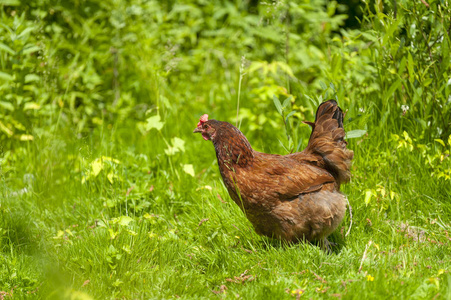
(202, 120)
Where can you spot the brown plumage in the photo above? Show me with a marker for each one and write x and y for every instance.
(288, 197)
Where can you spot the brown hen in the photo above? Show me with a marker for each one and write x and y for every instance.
(288, 197)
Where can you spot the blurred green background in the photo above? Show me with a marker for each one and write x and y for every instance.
(80, 64)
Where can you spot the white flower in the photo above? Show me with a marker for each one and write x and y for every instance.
(243, 63)
(404, 108)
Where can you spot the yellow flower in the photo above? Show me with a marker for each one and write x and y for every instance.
(369, 278)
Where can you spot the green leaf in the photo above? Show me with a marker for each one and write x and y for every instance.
(368, 195)
(132, 233)
(6, 76)
(179, 144)
(445, 52)
(25, 32)
(286, 68)
(126, 248)
(10, 2)
(113, 234)
(123, 220)
(7, 105)
(97, 166)
(18, 125)
(440, 141)
(402, 66)
(110, 177)
(189, 169)
(277, 104)
(289, 115)
(389, 32)
(31, 77)
(410, 66)
(110, 159)
(355, 133)
(117, 283)
(5, 129)
(7, 49)
(323, 85)
(26, 137)
(286, 102)
(393, 88)
(154, 122)
(31, 105)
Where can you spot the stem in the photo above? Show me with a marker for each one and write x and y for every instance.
(117, 93)
(243, 60)
(238, 101)
(350, 215)
(287, 47)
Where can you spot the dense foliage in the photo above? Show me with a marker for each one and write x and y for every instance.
(81, 62)
(103, 188)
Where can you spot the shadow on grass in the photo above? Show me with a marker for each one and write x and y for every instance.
(335, 240)
(19, 233)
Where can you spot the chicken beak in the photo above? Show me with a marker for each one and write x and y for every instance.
(198, 129)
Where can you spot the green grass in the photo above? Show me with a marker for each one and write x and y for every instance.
(174, 235)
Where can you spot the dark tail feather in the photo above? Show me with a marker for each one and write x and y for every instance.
(327, 140)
